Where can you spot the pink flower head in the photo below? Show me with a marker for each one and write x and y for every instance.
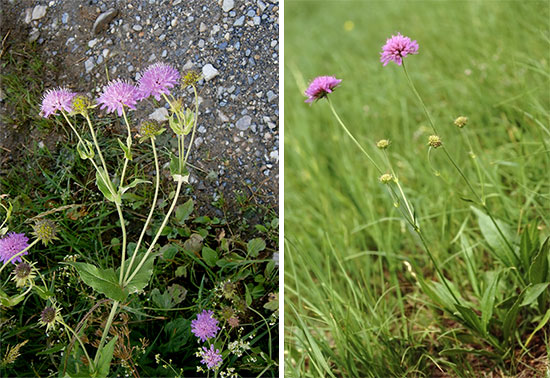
(205, 326)
(320, 87)
(55, 100)
(211, 358)
(116, 94)
(11, 245)
(396, 48)
(157, 79)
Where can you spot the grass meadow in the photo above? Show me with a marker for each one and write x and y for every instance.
(362, 297)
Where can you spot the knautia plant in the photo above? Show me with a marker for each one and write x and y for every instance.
(132, 275)
(522, 265)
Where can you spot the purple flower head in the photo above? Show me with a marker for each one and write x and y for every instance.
(157, 79)
(11, 245)
(211, 358)
(205, 326)
(396, 48)
(320, 87)
(116, 94)
(55, 100)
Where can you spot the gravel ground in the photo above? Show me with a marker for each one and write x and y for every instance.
(233, 43)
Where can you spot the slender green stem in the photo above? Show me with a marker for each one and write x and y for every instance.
(23, 294)
(106, 330)
(149, 217)
(73, 128)
(128, 144)
(99, 151)
(124, 237)
(435, 264)
(18, 254)
(351, 136)
(194, 124)
(150, 249)
(480, 201)
(80, 342)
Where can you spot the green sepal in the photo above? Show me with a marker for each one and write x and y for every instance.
(188, 120)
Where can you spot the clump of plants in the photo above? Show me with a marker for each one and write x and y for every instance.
(230, 291)
(506, 307)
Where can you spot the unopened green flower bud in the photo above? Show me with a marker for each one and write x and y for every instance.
(81, 104)
(383, 144)
(461, 121)
(191, 78)
(386, 178)
(149, 128)
(45, 230)
(434, 141)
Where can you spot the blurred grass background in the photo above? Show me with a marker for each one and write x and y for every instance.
(351, 307)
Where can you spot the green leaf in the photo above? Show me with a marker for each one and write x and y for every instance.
(529, 246)
(175, 126)
(141, 279)
(538, 271)
(509, 323)
(494, 239)
(183, 211)
(210, 256)
(255, 246)
(8, 301)
(54, 349)
(488, 300)
(175, 169)
(103, 184)
(178, 332)
(169, 251)
(539, 327)
(85, 151)
(42, 292)
(247, 296)
(533, 292)
(127, 150)
(470, 318)
(133, 184)
(104, 281)
(105, 357)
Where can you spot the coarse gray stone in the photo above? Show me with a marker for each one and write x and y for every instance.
(271, 96)
(159, 115)
(243, 123)
(38, 12)
(89, 64)
(103, 20)
(228, 5)
(209, 72)
(137, 28)
(92, 43)
(65, 18)
(239, 21)
(34, 35)
(28, 15)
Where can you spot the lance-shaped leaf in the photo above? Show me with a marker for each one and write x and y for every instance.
(104, 184)
(86, 151)
(141, 279)
(126, 147)
(133, 184)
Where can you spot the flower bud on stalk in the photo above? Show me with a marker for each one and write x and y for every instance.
(45, 230)
(434, 141)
